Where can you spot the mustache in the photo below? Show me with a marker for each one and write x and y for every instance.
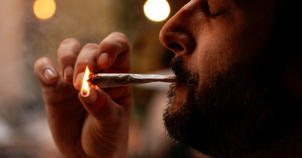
(183, 75)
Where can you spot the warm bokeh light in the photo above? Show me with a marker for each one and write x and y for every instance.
(157, 10)
(85, 84)
(44, 9)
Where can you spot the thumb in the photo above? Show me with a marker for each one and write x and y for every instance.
(101, 106)
(106, 131)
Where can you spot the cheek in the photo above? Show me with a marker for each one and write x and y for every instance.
(222, 44)
(212, 56)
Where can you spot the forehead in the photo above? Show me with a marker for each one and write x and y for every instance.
(251, 7)
(186, 1)
(235, 2)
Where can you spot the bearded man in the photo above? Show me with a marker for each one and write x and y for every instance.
(238, 90)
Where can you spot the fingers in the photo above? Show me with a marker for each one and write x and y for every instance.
(67, 55)
(53, 88)
(119, 92)
(101, 106)
(85, 58)
(62, 105)
(111, 55)
(114, 53)
(45, 72)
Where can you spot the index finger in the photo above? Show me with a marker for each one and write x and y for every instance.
(114, 53)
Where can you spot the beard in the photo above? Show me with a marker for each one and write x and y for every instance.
(239, 112)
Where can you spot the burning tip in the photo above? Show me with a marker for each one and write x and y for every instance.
(92, 79)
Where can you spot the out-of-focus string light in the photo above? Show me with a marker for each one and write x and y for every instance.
(44, 9)
(157, 10)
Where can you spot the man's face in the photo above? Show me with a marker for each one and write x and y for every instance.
(213, 35)
(226, 96)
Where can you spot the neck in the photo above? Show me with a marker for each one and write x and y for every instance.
(288, 147)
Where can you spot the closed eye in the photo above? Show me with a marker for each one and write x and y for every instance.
(218, 7)
(222, 12)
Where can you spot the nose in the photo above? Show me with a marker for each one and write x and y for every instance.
(177, 33)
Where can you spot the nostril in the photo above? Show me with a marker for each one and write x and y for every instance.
(175, 47)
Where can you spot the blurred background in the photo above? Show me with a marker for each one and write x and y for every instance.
(30, 29)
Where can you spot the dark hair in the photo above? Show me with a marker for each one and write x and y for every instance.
(287, 30)
(246, 110)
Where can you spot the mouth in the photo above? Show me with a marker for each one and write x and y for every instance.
(188, 80)
(184, 77)
(177, 96)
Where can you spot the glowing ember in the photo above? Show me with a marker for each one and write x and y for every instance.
(85, 84)
(44, 9)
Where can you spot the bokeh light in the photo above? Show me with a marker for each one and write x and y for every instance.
(44, 9)
(157, 10)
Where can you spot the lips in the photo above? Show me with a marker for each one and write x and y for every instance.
(183, 75)
(187, 80)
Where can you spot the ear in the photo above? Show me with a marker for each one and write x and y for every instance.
(294, 77)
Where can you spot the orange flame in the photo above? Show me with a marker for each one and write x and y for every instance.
(85, 84)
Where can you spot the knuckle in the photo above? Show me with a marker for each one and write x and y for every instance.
(70, 41)
(68, 58)
(125, 45)
(115, 43)
(69, 46)
(121, 38)
(84, 61)
(107, 43)
(90, 46)
(122, 42)
(119, 35)
(81, 65)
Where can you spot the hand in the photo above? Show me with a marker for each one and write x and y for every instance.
(94, 126)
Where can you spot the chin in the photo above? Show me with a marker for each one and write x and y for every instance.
(181, 121)
(245, 109)
(230, 118)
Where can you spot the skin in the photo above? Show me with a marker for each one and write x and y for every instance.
(93, 126)
(220, 41)
(210, 36)
(241, 103)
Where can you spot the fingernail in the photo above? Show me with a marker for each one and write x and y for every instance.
(91, 97)
(104, 59)
(68, 73)
(49, 74)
